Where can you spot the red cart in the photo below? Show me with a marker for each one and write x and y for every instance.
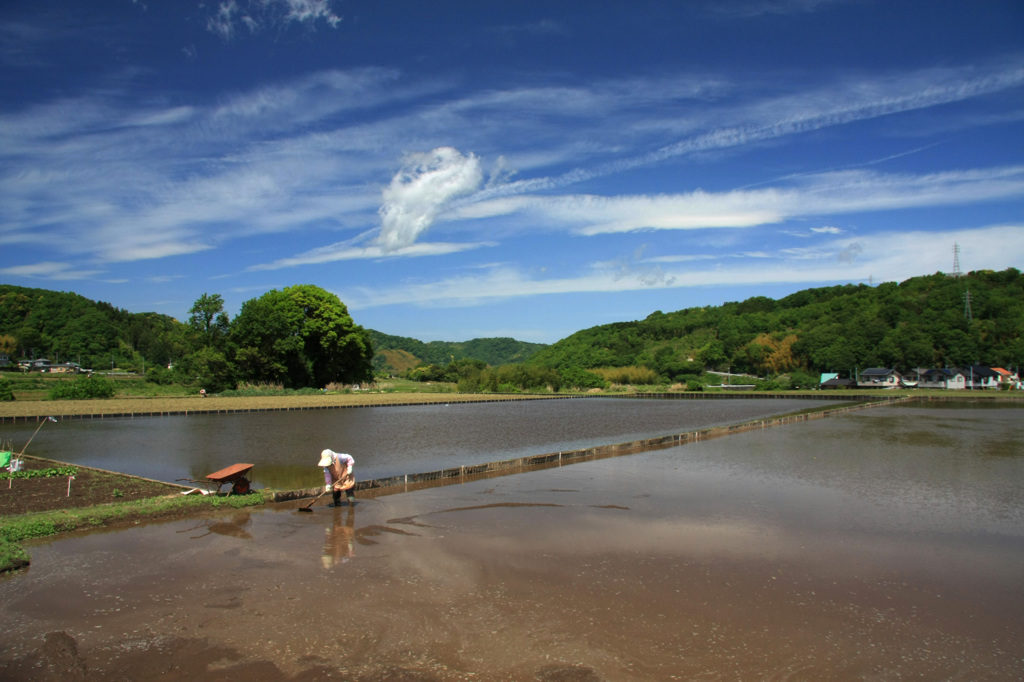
(234, 474)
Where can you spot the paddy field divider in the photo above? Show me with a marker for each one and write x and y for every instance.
(463, 474)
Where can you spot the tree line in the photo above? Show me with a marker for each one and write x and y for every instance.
(303, 336)
(299, 336)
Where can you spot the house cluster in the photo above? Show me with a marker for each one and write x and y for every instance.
(973, 377)
(44, 365)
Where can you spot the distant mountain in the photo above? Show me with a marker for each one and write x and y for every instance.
(398, 353)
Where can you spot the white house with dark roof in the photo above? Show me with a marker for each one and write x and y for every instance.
(943, 378)
(982, 377)
(878, 377)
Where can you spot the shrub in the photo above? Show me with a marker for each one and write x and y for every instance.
(582, 379)
(159, 376)
(85, 388)
(470, 385)
(6, 389)
(632, 375)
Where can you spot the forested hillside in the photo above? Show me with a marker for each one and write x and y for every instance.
(922, 322)
(399, 353)
(66, 327)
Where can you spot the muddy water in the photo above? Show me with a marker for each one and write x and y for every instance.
(386, 441)
(885, 544)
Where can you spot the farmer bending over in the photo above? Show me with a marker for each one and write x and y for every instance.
(338, 475)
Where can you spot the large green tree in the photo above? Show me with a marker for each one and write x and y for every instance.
(301, 336)
(208, 319)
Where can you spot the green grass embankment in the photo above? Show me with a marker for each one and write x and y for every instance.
(16, 529)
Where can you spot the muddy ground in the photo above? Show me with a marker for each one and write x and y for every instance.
(89, 488)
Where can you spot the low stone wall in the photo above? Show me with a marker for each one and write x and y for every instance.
(463, 474)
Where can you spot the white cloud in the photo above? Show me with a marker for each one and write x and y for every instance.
(827, 229)
(423, 187)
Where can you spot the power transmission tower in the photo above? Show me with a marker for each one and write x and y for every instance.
(956, 260)
(967, 305)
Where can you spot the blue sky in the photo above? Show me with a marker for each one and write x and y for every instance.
(454, 170)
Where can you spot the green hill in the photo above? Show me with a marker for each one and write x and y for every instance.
(922, 322)
(64, 326)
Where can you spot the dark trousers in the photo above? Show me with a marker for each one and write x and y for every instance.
(337, 496)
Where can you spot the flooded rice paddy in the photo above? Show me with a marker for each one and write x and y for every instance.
(878, 545)
(385, 441)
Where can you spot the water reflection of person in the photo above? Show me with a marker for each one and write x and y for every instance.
(339, 543)
(338, 475)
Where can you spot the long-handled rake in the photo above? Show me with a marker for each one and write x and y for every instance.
(308, 507)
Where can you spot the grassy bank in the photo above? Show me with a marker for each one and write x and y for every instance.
(16, 529)
(161, 405)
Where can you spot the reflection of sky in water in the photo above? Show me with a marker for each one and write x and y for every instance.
(818, 550)
(385, 441)
(855, 492)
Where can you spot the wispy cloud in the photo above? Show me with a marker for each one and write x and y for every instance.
(806, 112)
(826, 193)
(543, 27)
(253, 16)
(756, 8)
(889, 256)
(163, 178)
(49, 270)
(344, 251)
